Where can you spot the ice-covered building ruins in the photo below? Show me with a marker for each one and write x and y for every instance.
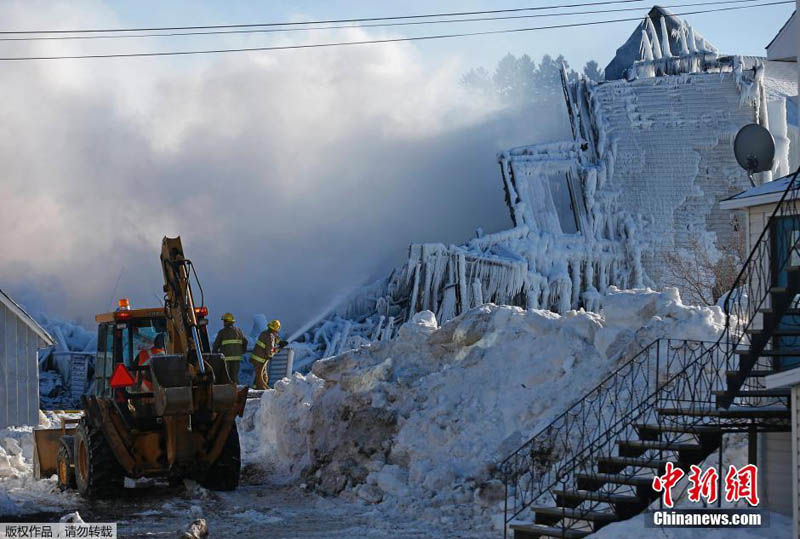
(650, 159)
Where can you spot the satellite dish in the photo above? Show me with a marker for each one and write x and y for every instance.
(754, 148)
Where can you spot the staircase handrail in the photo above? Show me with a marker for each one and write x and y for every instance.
(756, 257)
(723, 349)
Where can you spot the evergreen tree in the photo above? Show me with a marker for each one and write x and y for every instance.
(519, 80)
(592, 71)
(478, 79)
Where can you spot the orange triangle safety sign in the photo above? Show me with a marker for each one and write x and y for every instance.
(121, 377)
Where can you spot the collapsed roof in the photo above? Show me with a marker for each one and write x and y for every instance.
(649, 37)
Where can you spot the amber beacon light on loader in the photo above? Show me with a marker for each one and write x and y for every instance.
(163, 404)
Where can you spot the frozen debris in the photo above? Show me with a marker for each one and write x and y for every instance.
(194, 490)
(44, 420)
(69, 336)
(601, 210)
(420, 420)
(74, 347)
(196, 530)
(369, 493)
(72, 518)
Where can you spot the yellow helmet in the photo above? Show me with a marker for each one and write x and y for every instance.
(275, 325)
(228, 318)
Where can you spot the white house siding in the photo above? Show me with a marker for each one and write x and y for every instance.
(19, 373)
(794, 445)
(784, 45)
(775, 472)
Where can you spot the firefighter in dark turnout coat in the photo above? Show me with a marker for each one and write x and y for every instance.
(266, 346)
(232, 344)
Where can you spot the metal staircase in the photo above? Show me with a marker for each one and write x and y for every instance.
(673, 402)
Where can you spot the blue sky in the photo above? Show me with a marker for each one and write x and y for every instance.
(743, 32)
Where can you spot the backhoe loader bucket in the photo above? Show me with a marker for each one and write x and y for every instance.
(172, 385)
(223, 393)
(45, 447)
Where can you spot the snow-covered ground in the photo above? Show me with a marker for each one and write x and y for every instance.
(418, 423)
(257, 509)
(398, 438)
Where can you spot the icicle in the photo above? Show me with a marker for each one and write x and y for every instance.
(462, 283)
(387, 333)
(647, 55)
(683, 39)
(426, 290)
(532, 299)
(655, 42)
(412, 308)
(695, 67)
(448, 310)
(377, 333)
(330, 350)
(382, 305)
(477, 294)
(665, 49)
(345, 335)
(692, 39)
(602, 278)
(576, 282)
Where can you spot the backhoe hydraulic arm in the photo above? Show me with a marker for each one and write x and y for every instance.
(179, 302)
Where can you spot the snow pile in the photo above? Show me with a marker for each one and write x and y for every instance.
(422, 419)
(20, 493)
(16, 451)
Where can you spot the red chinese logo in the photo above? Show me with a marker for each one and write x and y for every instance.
(703, 484)
(741, 484)
(664, 483)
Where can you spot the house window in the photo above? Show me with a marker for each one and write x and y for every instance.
(564, 203)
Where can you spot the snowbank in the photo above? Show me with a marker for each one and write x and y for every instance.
(20, 493)
(421, 420)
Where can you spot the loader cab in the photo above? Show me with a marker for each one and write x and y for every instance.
(122, 338)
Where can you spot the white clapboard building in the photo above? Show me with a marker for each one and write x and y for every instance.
(20, 340)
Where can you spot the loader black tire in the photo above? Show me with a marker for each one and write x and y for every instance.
(224, 473)
(97, 472)
(65, 463)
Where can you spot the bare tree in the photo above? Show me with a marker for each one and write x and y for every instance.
(704, 275)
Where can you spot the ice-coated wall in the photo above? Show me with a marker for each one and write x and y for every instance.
(650, 159)
(670, 140)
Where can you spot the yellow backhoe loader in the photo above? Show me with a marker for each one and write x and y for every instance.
(163, 404)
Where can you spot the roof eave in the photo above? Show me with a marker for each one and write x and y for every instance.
(785, 25)
(757, 200)
(25, 317)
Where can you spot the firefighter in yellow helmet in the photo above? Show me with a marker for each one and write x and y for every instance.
(232, 344)
(266, 346)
